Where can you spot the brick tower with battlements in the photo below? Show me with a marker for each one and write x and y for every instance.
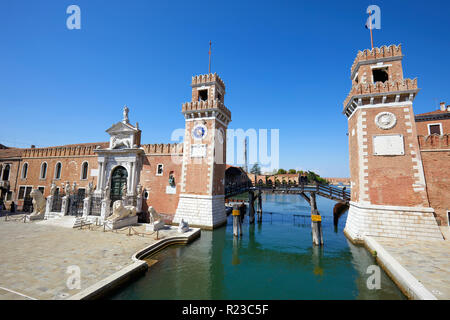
(201, 201)
(389, 196)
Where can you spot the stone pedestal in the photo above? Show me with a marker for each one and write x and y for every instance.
(65, 205)
(105, 210)
(36, 217)
(86, 206)
(158, 225)
(48, 206)
(121, 223)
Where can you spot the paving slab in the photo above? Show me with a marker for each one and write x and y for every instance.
(35, 259)
(426, 260)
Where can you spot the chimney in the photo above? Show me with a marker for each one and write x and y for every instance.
(442, 106)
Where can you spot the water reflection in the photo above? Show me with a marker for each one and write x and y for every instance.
(274, 259)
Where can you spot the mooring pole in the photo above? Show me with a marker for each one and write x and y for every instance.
(316, 222)
(236, 220)
(251, 208)
(259, 210)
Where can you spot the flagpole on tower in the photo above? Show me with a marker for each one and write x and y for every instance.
(209, 69)
(370, 27)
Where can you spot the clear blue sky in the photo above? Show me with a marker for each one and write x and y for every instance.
(286, 65)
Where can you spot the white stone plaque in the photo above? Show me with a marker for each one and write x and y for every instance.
(171, 190)
(198, 150)
(94, 172)
(388, 145)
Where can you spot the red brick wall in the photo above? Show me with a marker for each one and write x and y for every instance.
(422, 126)
(437, 175)
(391, 178)
(156, 185)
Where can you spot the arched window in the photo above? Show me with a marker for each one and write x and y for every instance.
(44, 170)
(84, 171)
(6, 172)
(380, 75)
(24, 170)
(58, 168)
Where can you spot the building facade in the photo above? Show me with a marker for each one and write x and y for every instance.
(181, 181)
(393, 176)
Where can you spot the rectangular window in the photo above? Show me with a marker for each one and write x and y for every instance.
(448, 218)
(9, 196)
(159, 170)
(41, 189)
(21, 193)
(434, 129)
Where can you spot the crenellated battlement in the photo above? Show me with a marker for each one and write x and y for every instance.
(208, 105)
(63, 151)
(434, 141)
(207, 78)
(376, 53)
(160, 148)
(381, 87)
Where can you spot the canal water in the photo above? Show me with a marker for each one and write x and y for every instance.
(274, 259)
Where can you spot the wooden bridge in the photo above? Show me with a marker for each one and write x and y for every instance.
(326, 191)
(306, 191)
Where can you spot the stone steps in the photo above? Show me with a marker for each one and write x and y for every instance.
(65, 222)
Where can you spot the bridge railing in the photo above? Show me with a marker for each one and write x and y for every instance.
(324, 190)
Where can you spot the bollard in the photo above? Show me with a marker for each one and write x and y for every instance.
(157, 235)
(129, 231)
(104, 226)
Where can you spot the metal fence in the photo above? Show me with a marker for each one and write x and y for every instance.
(75, 205)
(57, 203)
(96, 206)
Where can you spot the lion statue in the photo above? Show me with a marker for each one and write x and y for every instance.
(183, 226)
(156, 221)
(121, 212)
(153, 215)
(38, 203)
(118, 143)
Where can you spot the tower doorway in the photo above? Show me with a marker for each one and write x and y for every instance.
(118, 181)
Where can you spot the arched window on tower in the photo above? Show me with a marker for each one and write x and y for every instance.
(43, 170)
(58, 169)
(84, 171)
(380, 75)
(24, 170)
(6, 170)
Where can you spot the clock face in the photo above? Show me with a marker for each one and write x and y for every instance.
(199, 132)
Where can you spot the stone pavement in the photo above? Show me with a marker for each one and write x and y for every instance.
(427, 260)
(34, 258)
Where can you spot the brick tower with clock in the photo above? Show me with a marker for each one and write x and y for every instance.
(201, 201)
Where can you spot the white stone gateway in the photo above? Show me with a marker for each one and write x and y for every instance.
(156, 223)
(38, 205)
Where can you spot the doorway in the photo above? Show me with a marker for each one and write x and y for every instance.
(118, 180)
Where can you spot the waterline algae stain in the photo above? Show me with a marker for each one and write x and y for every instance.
(274, 259)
